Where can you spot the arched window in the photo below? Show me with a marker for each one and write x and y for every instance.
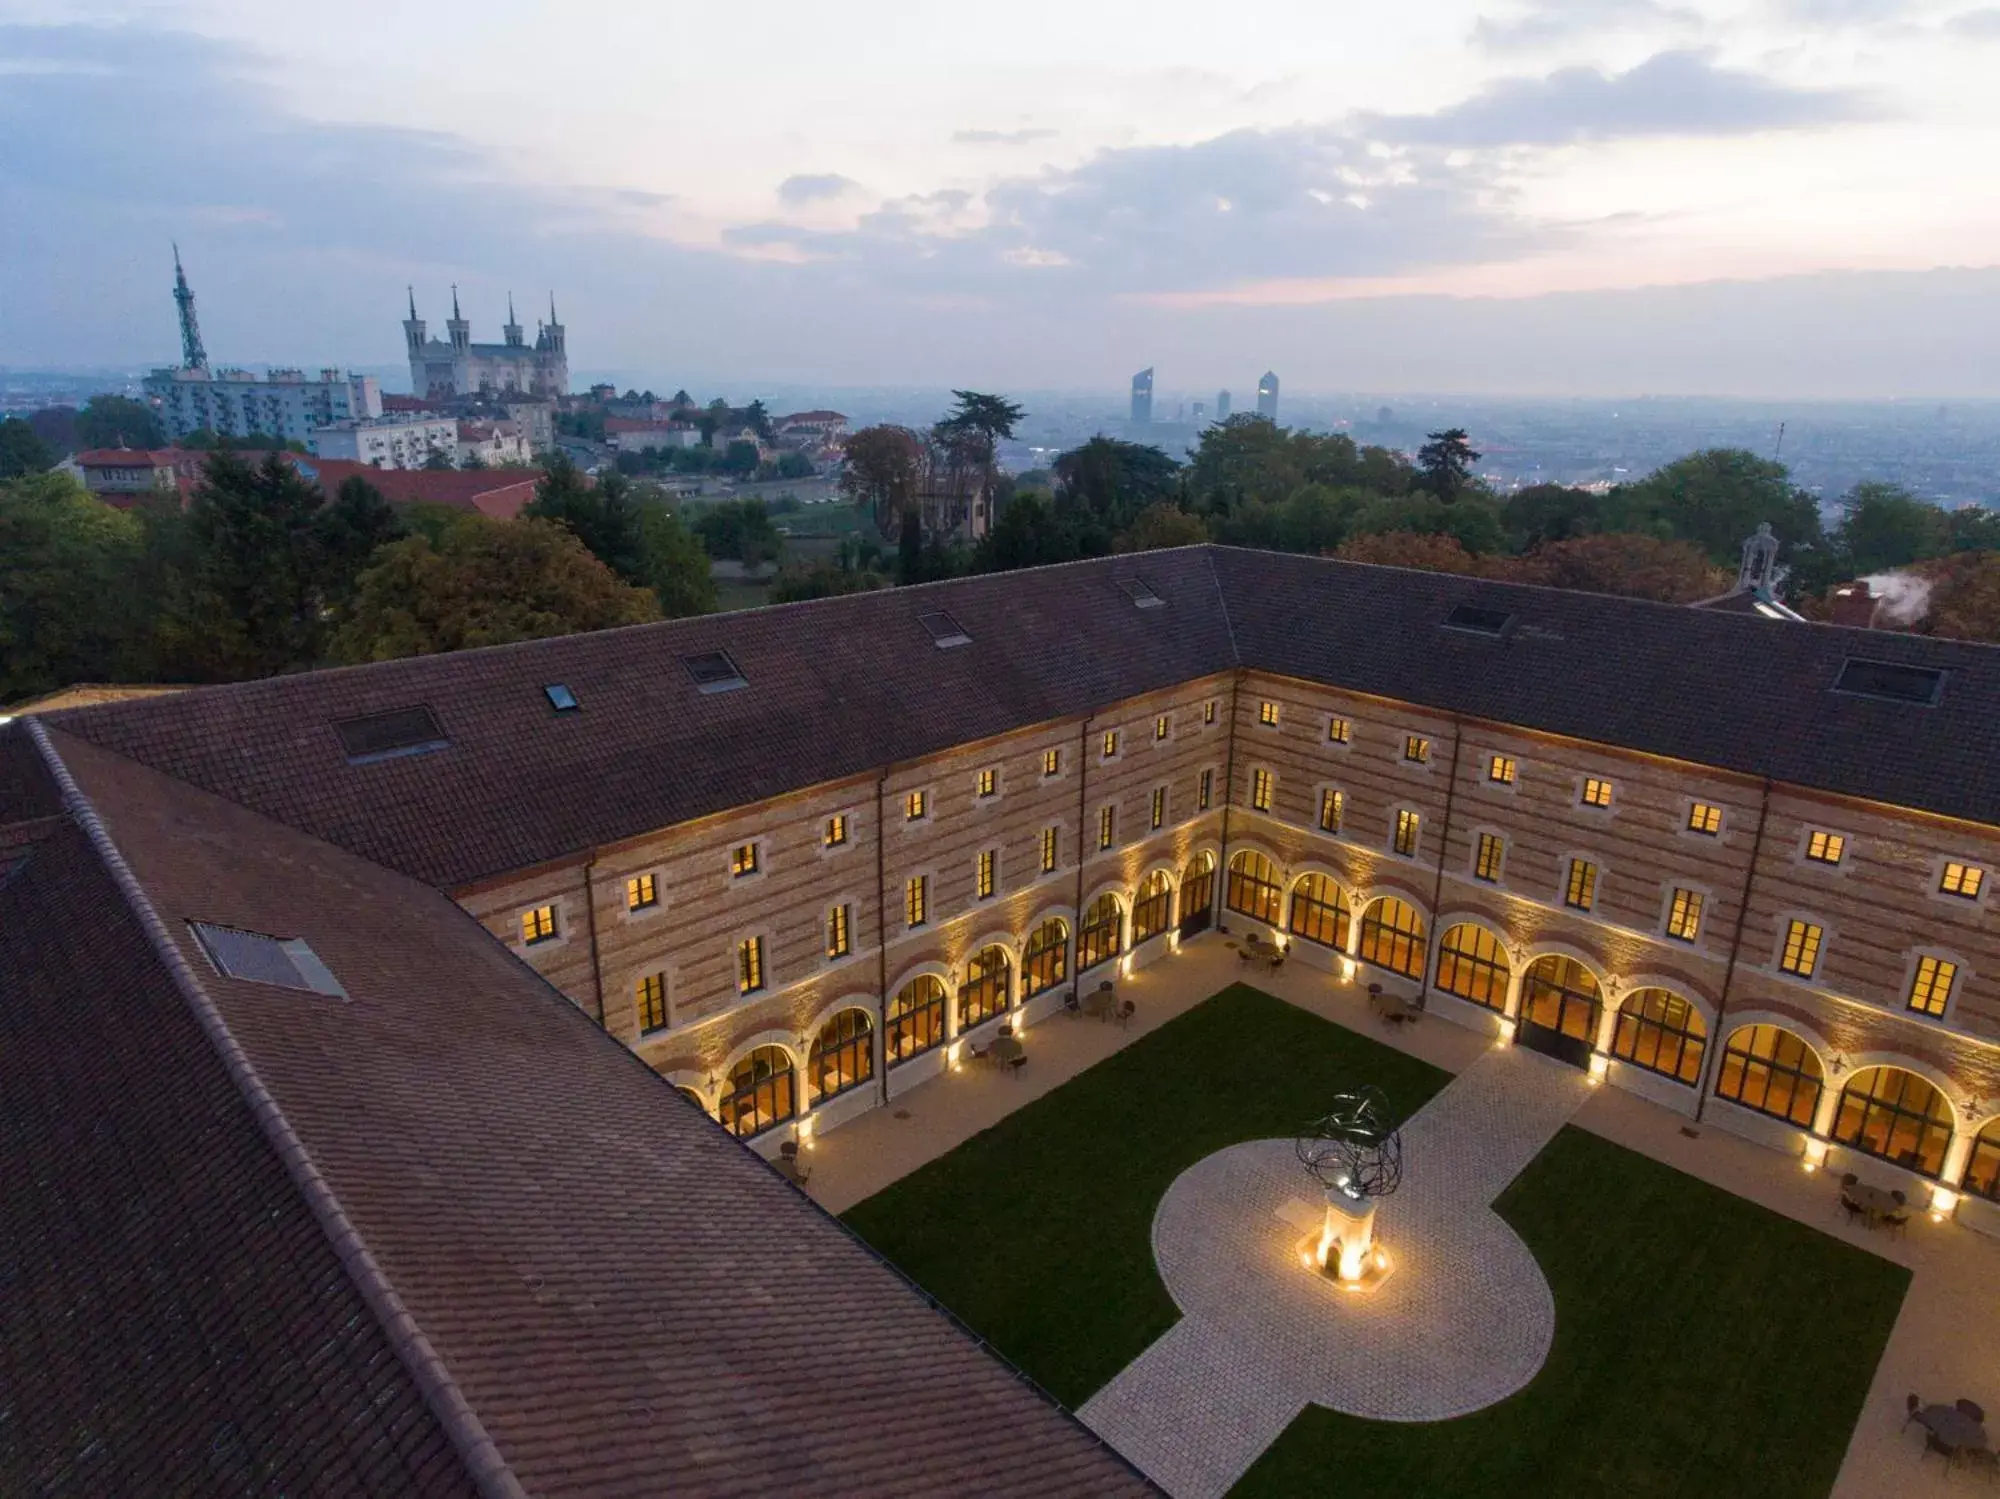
(1896, 1115)
(1319, 912)
(1772, 1071)
(1392, 937)
(1101, 937)
(843, 1054)
(1198, 894)
(1150, 910)
(692, 1096)
(1982, 1171)
(1045, 963)
(760, 1094)
(1661, 1032)
(1473, 965)
(1253, 887)
(1561, 995)
(916, 1019)
(984, 992)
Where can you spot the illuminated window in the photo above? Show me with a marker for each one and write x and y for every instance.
(1208, 711)
(1337, 730)
(1160, 727)
(1417, 750)
(983, 878)
(1045, 960)
(1261, 782)
(1107, 822)
(760, 1093)
(538, 925)
(987, 783)
(1051, 762)
(1207, 790)
(984, 992)
(1486, 858)
(839, 932)
(1110, 743)
(1392, 937)
(1100, 937)
(1896, 1115)
(1772, 1071)
(1982, 1172)
(1705, 818)
(1267, 713)
(1159, 808)
(1150, 908)
(835, 832)
(1253, 887)
(1661, 1032)
(749, 965)
(916, 900)
(1197, 894)
(916, 806)
(1331, 805)
(1823, 847)
(1319, 912)
(1684, 915)
(916, 1019)
(843, 1054)
(1581, 889)
(1801, 954)
(1962, 879)
(641, 891)
(743, 860)
(1930, 986)
(1408, 825)
(1596, 792)
(1502, 769)
(1561, 995)
(1473, 965)
(1048, 849)
(651, 999)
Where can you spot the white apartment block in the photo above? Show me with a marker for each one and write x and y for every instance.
(388, 441)
(284, 403)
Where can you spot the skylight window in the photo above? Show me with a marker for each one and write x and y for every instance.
(1477, 620)
(945, 632)
(1920, 685)
(561, 698)
(713, 671)
(1140, 592)
(386, 736)
(283, 962)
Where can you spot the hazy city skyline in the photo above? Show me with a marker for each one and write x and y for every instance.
(1605, 197)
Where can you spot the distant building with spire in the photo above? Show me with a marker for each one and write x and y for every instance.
(455, 366)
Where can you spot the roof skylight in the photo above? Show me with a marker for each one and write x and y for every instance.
(1140, 592)
(385, 736)
(945, 631)
(561, 698)
(285, 962)
(713, 671)
(1890, 681)
(1478, 620)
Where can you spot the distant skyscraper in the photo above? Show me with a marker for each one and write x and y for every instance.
(1267, 397)
(1222, 405)
(1142, 397)
(1200, 412)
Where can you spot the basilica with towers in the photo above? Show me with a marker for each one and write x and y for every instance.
(456, 366)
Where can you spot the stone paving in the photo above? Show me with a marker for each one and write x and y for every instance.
(1464, 1320)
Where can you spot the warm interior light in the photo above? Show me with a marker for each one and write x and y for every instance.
(1599, 1066)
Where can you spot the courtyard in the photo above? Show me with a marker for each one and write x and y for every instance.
(1711, 1335)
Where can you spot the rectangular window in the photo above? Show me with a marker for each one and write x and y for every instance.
(1930, 989)
(1267, 713)
(1110, 743)
(916, 900)
(839, 932)
(651, 998)
(538, 925)
(1159, 807)
(1107, 821)
(1208, 711)
(1705, 818)
(1160, 728)
(1051, 762)
(1825, 848)
(1260, 790)
(916, 806)
(1596, 792)
(1417, 750)
(1684, 915)
(835, 832)
(1801, 954)
(1962, 879)
(1408, 825)
(983, 877)
(742, 860)
(641, 891)
(749, 965)
(1486, 859)
(1501, 769)
(1337, 730)
(1330, 807)
(1048, 850)
(1207, 793)
(1581, 891)
(987, 783)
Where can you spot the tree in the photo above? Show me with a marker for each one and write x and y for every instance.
(68, 610)
(739, 458)
(349, 529)
(1317, 517)
(676, 565)
(794, 466)
(487, 583)
(1550, 512)
(56, 427)
(438, 460)
(884, 469)
(757, 419)
(1635, 566)
(739, 531)
(1474, 519)
(1716, 499)
(21, 451)
(1163, 524)
(600, 515)
(1112, 481)
(1436, 554)
(1028, 533)
(1444, 463)
(992, 417)
(1884, 526)
(821, 580)
(118, 422)
(1974, 528)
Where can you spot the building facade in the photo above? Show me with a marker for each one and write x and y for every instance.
(389, 441)
(235, 403)
(456, 366)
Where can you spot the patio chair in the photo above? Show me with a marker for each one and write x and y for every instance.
(790, 1164)
(1973, 1409)
(1126, 1010)
(1015, 1064)
(1912, 1405)
(1850, 1207)
(1901, 1200)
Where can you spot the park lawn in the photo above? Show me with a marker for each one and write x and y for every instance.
(1704, 1346)
(1037, 1232)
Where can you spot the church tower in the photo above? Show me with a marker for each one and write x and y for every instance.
(458, 328)
(512, 331)
(193, 355)
(555, 331)
(413, 330)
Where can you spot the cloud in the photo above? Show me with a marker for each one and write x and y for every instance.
(1672, 93)
(1977, 25)
(1000, 137)
(804, 188)
(1552, 23)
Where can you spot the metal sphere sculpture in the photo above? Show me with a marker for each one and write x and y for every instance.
(1354, 1149)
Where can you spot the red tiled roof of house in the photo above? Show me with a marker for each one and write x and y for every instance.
(408, 403)
(498, 492)
(139, 457)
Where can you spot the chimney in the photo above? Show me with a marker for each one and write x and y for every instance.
(1854, 604)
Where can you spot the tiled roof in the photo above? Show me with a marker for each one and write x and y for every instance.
(499, 492)
(138, 457)
(626, 1300)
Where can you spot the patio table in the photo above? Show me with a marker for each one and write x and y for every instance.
(1953, 1427)
(1876, 1202)
(1006, 1049)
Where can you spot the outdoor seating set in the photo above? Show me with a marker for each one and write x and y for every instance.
(1955, 1432)
(1878, 1207)
(1256, 948)
(1006, 1052)
(790, 1166)
(1393, 1008)
(1102, 1004)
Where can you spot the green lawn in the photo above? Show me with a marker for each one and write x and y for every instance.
(1703, 1345)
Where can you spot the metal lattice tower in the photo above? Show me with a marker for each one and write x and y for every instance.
(193, 355)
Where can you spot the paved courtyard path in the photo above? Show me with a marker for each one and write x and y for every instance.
(1464, 1319)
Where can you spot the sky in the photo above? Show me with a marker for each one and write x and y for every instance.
(1590, 197)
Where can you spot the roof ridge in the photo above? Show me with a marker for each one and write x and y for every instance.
(1222, 597)
(484, 1464)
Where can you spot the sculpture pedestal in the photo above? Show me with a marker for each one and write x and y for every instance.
(1344, 1248)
